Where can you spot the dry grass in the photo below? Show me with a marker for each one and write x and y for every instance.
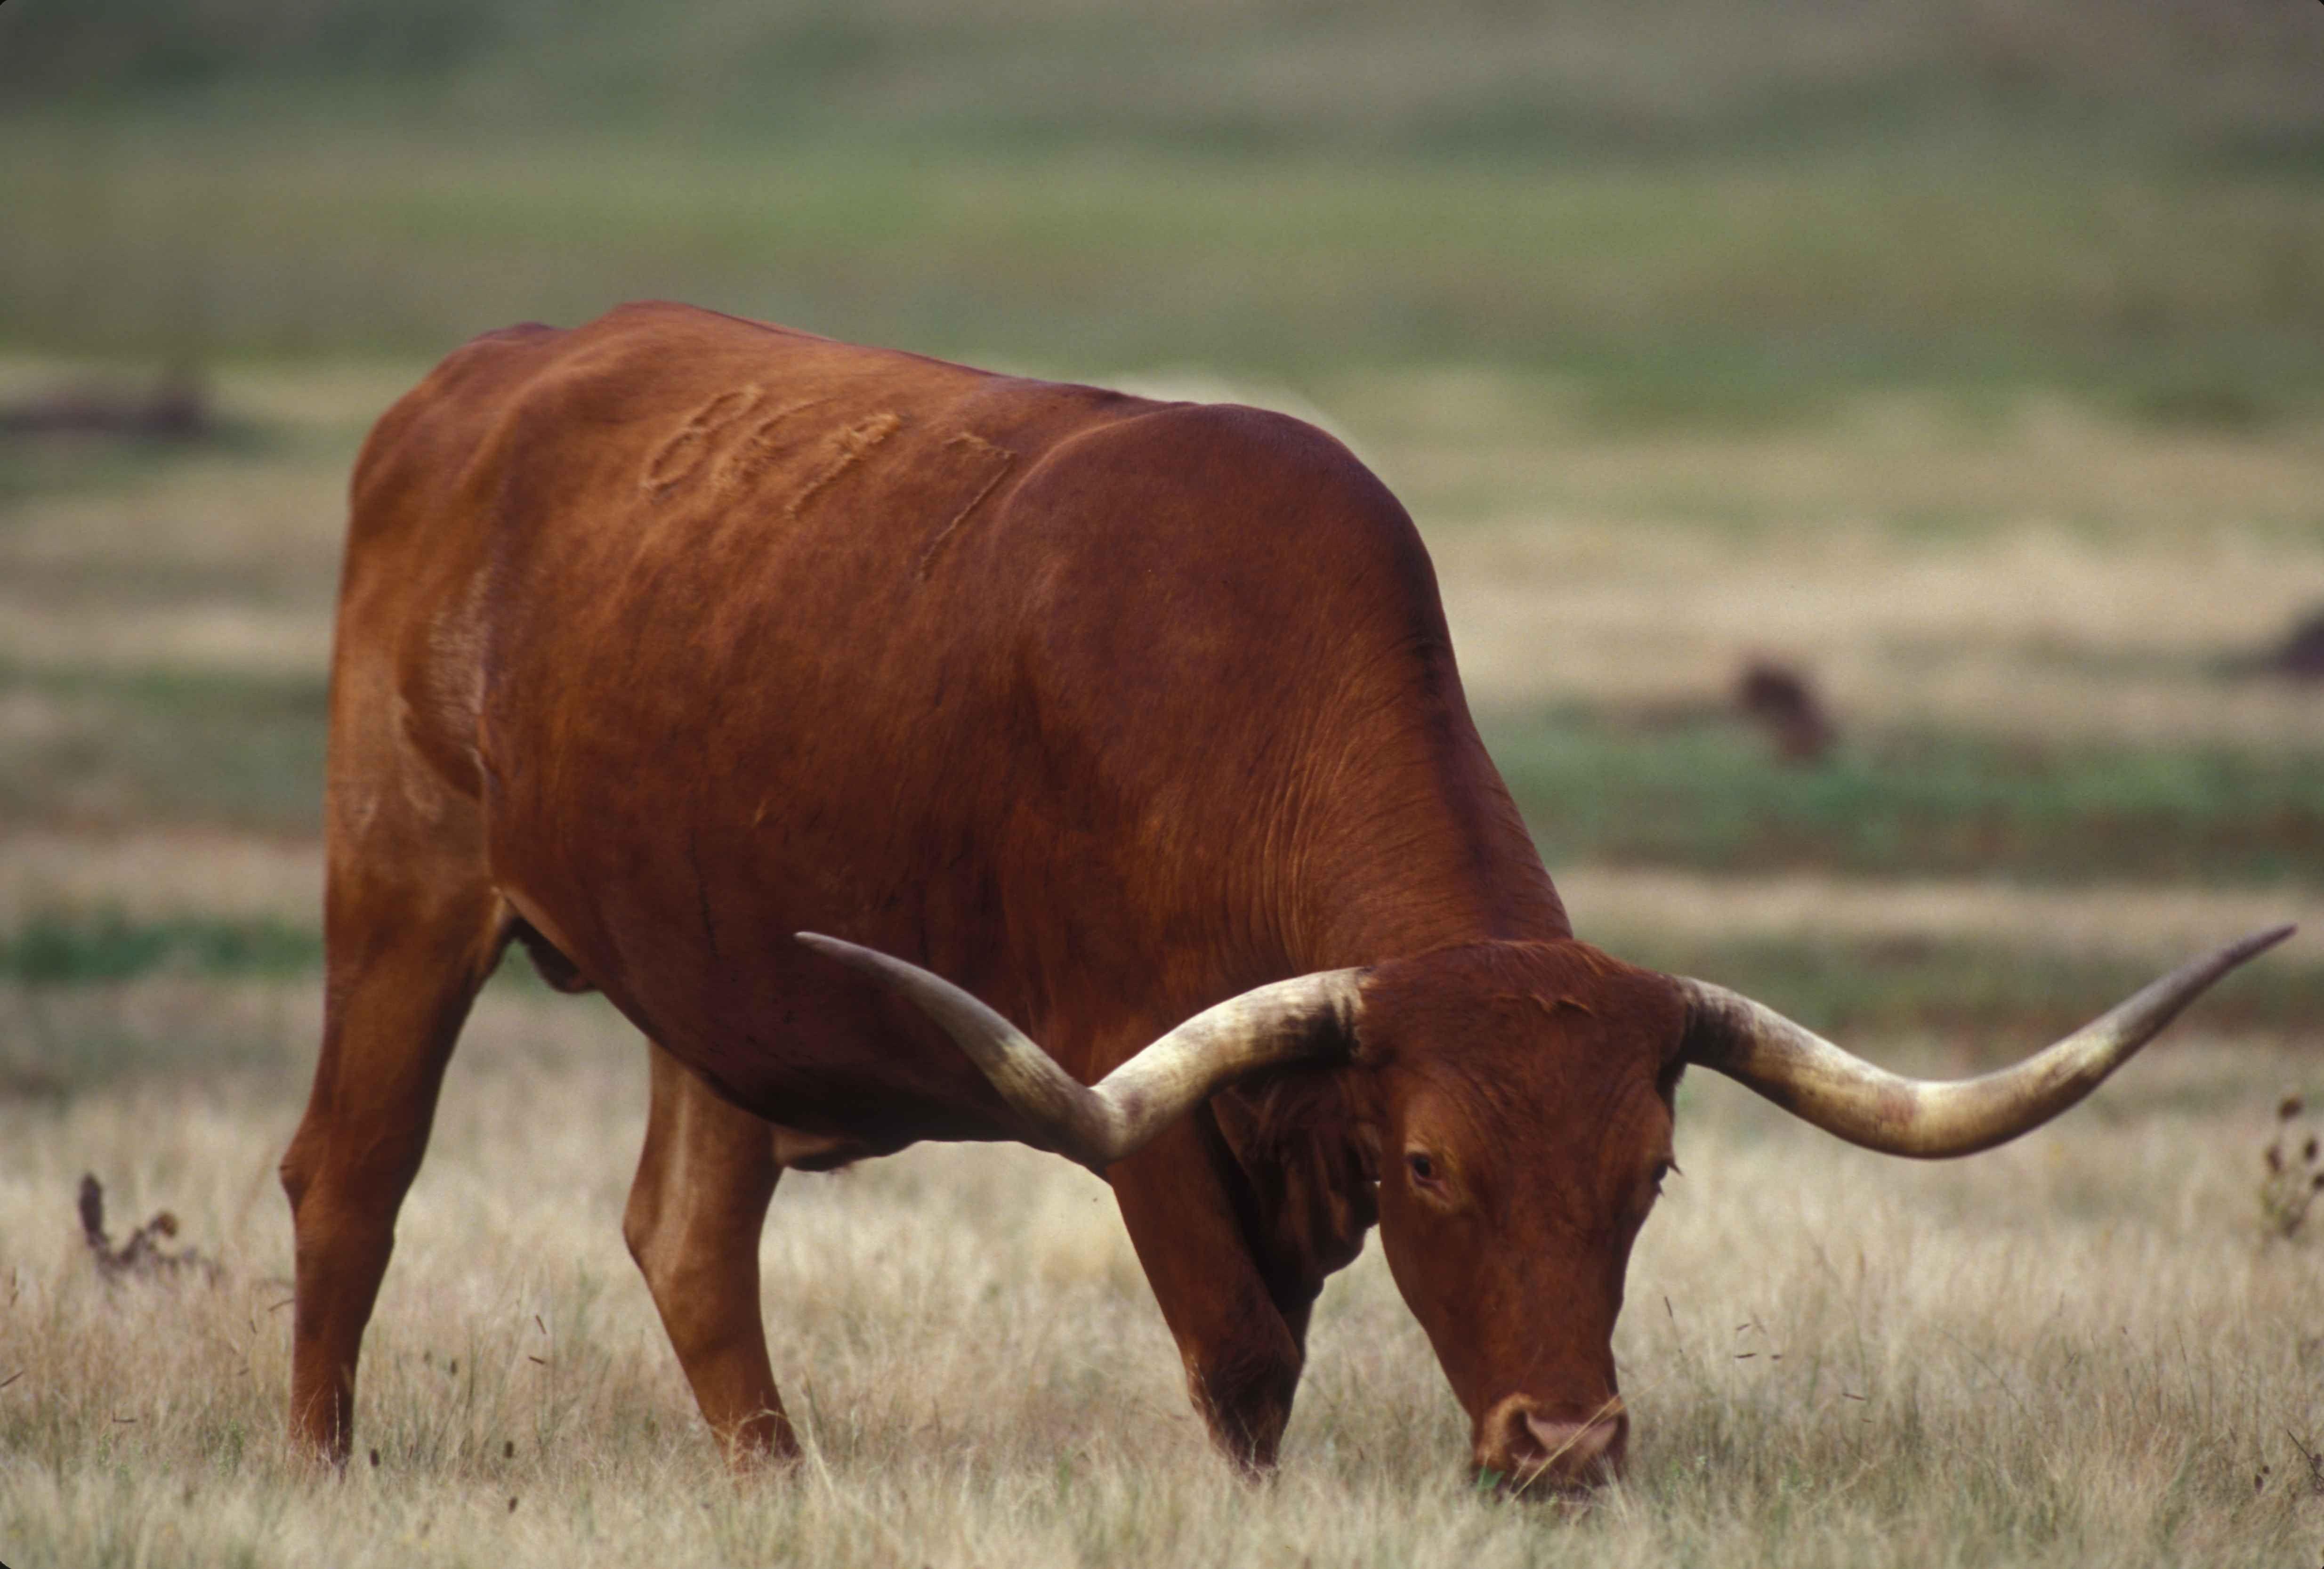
(2052, 575)
(2077, 1350)
(223, 562)
(2036, 630)
(2146, 921)
(145, 875)
(1480, 443)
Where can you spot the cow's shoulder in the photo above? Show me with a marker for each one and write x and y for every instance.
(1211, 494)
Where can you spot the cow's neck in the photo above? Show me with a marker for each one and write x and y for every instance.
(1420, 846)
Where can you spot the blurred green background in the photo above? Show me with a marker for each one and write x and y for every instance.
(1686, 210)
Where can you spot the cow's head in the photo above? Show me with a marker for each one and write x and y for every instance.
(1517, 1101)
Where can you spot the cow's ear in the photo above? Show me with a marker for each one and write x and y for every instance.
(1667, 1082)
(1363, 1045)
(1671, 1026)
(1364, 1137)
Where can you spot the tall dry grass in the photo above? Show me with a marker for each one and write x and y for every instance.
(2077, 1350)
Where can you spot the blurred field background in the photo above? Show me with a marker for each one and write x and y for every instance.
(1964, 360)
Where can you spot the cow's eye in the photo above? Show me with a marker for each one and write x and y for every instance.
(1662, 1168)
(1422, 1168)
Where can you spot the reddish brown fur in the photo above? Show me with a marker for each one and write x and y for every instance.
(1105, 709)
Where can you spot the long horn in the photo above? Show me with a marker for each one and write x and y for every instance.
(1311, 1015)
(1816, 1081)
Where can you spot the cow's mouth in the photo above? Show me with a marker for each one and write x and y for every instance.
(1526, 1449)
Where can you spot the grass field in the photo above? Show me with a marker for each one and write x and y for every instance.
(2078, 1350)
(2058, 773)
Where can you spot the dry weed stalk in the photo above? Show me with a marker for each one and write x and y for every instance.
(143, 1254)
(2315, 1463)
(2293, 1178)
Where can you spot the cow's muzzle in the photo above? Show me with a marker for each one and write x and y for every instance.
(1531, 1448)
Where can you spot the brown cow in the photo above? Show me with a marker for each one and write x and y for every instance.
(666, 637)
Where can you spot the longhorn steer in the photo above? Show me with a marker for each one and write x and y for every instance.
(665, 638)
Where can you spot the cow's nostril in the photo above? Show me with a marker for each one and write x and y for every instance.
(1530, 1448)
(1573, 1447)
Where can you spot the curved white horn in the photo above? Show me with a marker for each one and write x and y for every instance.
(1309, 1015)
(1817, 1082)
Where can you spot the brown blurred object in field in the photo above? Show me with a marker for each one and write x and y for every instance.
(1781, 701)
(176, 409)
(143, 1254)
(2301, 655)
(2294, 1160)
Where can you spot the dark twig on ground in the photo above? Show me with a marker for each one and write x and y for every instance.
(143, 1254)
(2315, 1463)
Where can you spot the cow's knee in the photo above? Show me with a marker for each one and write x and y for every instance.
(297, 1172)
(707, 1299)
(1244, 1391)
(651, 1244)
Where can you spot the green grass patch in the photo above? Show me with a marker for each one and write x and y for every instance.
(62, 948)
(96, 946)
(144, 747)
(94, 997)
(1721, 287)
(45, 465)
(1598, 786)
(2004, 1001)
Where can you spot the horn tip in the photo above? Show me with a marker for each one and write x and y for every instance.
(846, 952)
(2259, 941)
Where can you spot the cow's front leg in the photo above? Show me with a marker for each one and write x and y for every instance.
(703, 1181)
(1179, 1198)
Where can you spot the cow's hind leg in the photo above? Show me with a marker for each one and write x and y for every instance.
(411, 928)
(693, 1223)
